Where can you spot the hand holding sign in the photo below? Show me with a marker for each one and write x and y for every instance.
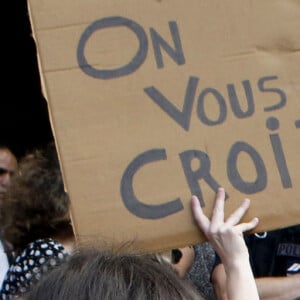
(227, 239)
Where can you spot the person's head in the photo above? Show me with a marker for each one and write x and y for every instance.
(36, 204)
(92, 274)
(8, 165)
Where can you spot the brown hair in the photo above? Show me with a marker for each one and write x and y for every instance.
(90, 274)
(36, 204)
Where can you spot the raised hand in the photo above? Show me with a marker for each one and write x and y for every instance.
(226, 236)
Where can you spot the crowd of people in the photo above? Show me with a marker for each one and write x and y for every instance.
(40, 258)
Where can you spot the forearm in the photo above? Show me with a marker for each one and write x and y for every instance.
(218, 278)
(278, 288)
(240, 282)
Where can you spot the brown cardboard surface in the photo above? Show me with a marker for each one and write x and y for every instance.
(152, 101)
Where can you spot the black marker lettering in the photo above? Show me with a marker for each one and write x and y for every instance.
(281, 93)
(201, 107)
(234, 176)
(203, 172)
(158, 42)
(273, 124)
(134, 64)
(131, 202)
(183, 117)
(234, 101)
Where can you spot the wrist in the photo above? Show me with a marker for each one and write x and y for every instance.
(236, 264)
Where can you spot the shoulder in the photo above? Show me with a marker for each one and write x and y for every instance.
(36, 259)
(40, 254)
(46, 247)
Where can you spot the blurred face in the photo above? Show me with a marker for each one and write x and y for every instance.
(8, 165)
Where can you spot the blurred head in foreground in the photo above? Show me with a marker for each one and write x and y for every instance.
(91, 274)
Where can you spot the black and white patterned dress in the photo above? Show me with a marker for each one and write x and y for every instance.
(27, 268)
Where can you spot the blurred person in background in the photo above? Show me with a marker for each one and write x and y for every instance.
(8, 166)
(34, 217)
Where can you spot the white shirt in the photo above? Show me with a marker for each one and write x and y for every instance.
(4, 265)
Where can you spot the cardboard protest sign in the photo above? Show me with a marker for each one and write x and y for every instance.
(153, 101)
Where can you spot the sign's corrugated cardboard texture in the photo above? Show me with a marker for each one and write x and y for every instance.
(152, 101)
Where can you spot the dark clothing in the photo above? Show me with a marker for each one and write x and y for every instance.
(274, 253)
(199, 273)
(28, 267)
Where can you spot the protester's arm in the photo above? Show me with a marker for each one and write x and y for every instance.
(269, 288)
(227, 239)
(218, 278)
(279, 288)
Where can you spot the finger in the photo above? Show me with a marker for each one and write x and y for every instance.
(243, 227)
(217, 218)
(236, 216)
(200, 218)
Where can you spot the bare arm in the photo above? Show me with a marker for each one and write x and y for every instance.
(227, 239)
(279, 288)
(220, 283)
(269, 288)
(218, 278)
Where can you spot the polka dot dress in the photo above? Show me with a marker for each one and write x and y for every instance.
(27, 268)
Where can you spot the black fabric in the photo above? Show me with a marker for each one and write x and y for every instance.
(28, 267)
(276, 253)
(199, 274)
